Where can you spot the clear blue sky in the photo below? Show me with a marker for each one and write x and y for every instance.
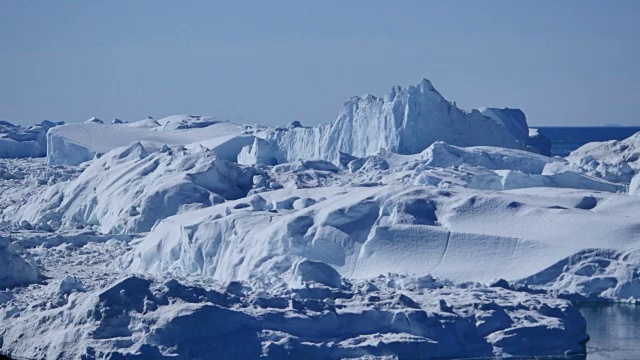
(270, 62)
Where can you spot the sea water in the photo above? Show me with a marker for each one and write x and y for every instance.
(614, 331)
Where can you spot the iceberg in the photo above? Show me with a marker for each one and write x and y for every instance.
(17, 269)
(136, 317)
(30, 142)
(403, 229)
(404, 121)
(130, 188)
(611, 160)
(73, 144)
(368, 231)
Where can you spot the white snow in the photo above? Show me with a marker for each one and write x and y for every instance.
(367, 231)
(94, 120)
(17, 268)
(443, 155)
(147, 123)
(407, 228)
(73, 144)
(405, 121)
(97, 309)
(611, 160)
(18, 142)
(634, 186)
(130, 188)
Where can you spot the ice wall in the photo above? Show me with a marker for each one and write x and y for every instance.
(18, 142)
(405, 121)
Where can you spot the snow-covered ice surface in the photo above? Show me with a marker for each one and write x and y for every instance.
(365, 231)
(72, 144)
(17, 268)
(128, 189)
(407, 228)
(19, 142)
(22, 180)
(611, 160)
(405, 121)
(93, 307)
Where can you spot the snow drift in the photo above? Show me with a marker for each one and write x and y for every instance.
(612, 160)
(73, 144)
(130, 188)
(365, 232)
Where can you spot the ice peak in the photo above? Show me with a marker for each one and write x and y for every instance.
(425, 85)
(406, 120)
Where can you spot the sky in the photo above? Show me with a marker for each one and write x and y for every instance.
(271, 62)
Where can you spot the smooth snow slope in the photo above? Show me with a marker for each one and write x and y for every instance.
(405, 121)
(367, 231)
(73, 144)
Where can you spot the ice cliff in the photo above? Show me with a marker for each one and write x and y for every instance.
(406, 228)
(404, 121)
(30, 142)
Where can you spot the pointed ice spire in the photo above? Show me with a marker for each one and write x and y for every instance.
(425, 85)
(395, 90)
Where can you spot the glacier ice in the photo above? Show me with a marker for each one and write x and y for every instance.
(404, 121)
(539, 142)
(145, 318)
(367, 231)
(401, 229)
(17, 267)
(130, 188)
(73, 144)
(18, 142)
(611, 160)
(261, 152)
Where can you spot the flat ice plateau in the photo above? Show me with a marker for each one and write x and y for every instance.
(407, 228)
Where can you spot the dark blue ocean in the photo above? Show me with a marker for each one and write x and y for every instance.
(565, 139)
